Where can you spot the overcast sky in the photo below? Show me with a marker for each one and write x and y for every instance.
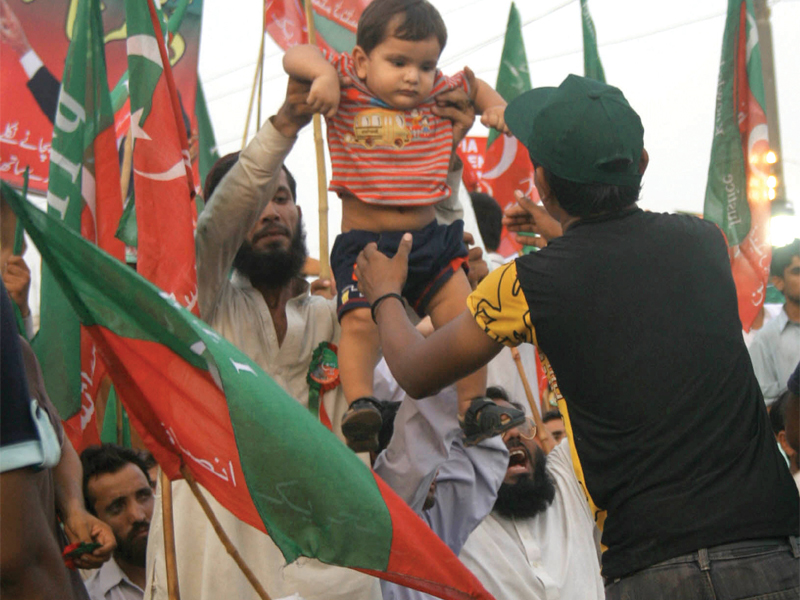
(663, 55)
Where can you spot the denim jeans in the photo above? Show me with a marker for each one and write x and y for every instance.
(766, 569)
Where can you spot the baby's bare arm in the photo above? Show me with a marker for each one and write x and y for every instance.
(307, 63)
(490, 105)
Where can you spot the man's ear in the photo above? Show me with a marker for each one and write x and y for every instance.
(541, 183)
(778, 282)
(644, 160)
(360, 59)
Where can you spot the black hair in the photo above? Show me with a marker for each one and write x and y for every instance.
(388, 414)
(224, 164)
(777, 413)
(420, 20)
(587, 199)
(551, 415)
(107, 458)
(490, 219)
(496, 392)
(782, 258)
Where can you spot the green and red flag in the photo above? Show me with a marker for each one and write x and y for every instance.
(162, 172)
(736, 193)
(83, 193)
(334, 22)
(198, 401)
(500, 165)
(592, 67)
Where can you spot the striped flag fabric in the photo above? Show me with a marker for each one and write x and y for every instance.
(198, 401)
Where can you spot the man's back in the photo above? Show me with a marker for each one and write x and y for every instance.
(636, 313)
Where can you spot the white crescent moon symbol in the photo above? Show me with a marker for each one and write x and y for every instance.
(508, 156)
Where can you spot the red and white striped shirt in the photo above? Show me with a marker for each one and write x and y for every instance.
(386, 156)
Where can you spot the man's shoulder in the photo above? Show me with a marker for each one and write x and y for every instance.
(104, 579)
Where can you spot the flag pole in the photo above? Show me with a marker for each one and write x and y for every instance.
(223, 537)
(169, 537)
(322, 179)
(259, 67)
(124, 185)
(548, 443)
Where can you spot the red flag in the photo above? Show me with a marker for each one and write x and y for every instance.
(334, 22)
(499, 172)
(163, 181)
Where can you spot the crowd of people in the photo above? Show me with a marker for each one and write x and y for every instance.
(664, 471)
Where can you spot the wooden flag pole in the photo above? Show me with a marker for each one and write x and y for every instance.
(261, 62)
(322, 179)
(548, 443)
(169, 537)
(223, 537)
(259, 67)
(124, 185)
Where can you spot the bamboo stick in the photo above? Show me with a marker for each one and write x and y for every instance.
(322, 178)
(127, 164)
(259, 67)
(548, 443)
(223, 537)
(169, 537)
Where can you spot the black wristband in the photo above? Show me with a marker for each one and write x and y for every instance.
(377, 303)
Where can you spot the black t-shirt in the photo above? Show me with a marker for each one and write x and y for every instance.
(16, 423)
(637, 314)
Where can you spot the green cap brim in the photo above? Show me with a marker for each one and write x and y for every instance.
(521, 114)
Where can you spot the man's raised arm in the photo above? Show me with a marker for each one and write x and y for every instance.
(242, 194)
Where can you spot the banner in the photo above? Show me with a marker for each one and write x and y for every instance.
(335, 22)
(736, 193)
(33, 50)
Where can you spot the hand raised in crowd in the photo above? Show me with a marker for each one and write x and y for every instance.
(324, 288)
(11, 31)
(457, 106)
(478, 269)
(82, 526)
(378, 274)
(17, 279)
(525, 216)
(295, 113)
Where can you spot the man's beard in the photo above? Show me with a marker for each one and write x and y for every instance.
(274, 267)
(133, 549)
(530, 495)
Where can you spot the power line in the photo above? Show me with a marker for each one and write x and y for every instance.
(496, 38)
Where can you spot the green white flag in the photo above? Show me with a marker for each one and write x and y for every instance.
(592, 67)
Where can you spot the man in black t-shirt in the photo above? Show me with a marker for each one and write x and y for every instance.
(636, 317)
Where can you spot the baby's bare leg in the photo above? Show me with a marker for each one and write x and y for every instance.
(359, 347)
(449, 302)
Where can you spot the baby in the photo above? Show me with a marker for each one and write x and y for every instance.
(390, 155)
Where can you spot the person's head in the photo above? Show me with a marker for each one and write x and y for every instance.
(8, 226)
(151, 465)
(117, 489)
(791, 412)
(398, 43)
(555, 424)
(777, 412)
(586, 144)
(785, 271)
(274, 251)
(490, 219)
(527, 488)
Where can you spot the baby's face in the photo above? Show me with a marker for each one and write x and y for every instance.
(399, 72)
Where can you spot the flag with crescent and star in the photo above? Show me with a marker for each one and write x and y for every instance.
(199, 402)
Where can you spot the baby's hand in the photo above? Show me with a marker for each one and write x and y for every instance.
(495, 117)
(323, 97)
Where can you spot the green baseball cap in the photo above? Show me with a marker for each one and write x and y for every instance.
(583, 131)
